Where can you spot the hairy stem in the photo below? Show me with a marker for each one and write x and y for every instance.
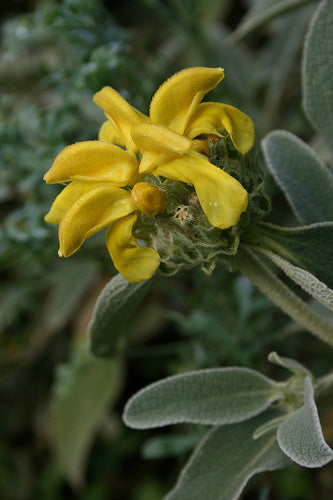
(279, 293)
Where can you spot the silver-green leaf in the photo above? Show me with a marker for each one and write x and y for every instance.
(289, 364)
(304, 279)
(300, 436)
(115, 305)
(213, 396)
(225, 460)
(318, 72)
(306, 182)
(269, 426)
(85, 389)
(308, 247)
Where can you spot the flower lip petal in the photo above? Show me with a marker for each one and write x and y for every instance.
(93, 211)
(122, 114)
(221, 196)
(109, 133)
(178, 97)
(93, 161)
(68, 196)
(150, 161)
(154, 138)
(213, 116)
(134, 263)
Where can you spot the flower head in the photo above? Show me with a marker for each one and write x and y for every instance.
(107, 184)
(167, 139)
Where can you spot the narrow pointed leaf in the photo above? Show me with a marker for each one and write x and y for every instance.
(225, 460)
(306, 182)
(262, 12)
(114, 307)
(304, 279)
(276, 290)
(288, 363)
(308, 247)
(213, 396)
(280, 54)
(300, 436)
(269, 426)
(318, 72)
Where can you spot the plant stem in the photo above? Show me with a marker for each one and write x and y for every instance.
(279, 293)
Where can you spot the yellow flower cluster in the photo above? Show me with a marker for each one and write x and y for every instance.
(101, 174)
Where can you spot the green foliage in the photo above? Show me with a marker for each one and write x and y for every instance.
(163, 446)
(309, 247)
(262, 12)
(70, 283)
(302, 176)
(290, 364)
(249, 263)
(300, 435)
(229, 396)
(314, 287)
(317, 71)
(115, 305)
(214, 397)
(225, 460)
(84, 391)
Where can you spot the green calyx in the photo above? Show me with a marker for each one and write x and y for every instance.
(182, 235)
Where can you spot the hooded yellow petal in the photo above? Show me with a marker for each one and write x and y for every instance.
(155, 138)
(221, 197)
(109, 133)
(210, 117)
(178, 97)
(68, 196)
(150, 161)
(93, 161)
(94, 210)
(135, 263)
(122, 114)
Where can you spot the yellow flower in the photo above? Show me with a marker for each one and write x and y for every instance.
(100, 172)
(94, 199)
(166, 140)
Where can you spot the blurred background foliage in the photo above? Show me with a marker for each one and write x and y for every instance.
(60, 421)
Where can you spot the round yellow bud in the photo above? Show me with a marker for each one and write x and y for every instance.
(200, 147)
(148, 199)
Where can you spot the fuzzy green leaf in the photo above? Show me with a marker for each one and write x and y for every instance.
(269, 426)
(214, 397)
(84, 390)
(289, 364)
(164, 446)
(304, 279)
(226, 459)
(262, 12)
(300, 436)
(115, 305)
(262, 276)
(306, 182)
(308, 247)
(318, 72)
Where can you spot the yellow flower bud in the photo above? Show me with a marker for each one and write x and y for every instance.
(148, 199)
(200, 147)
